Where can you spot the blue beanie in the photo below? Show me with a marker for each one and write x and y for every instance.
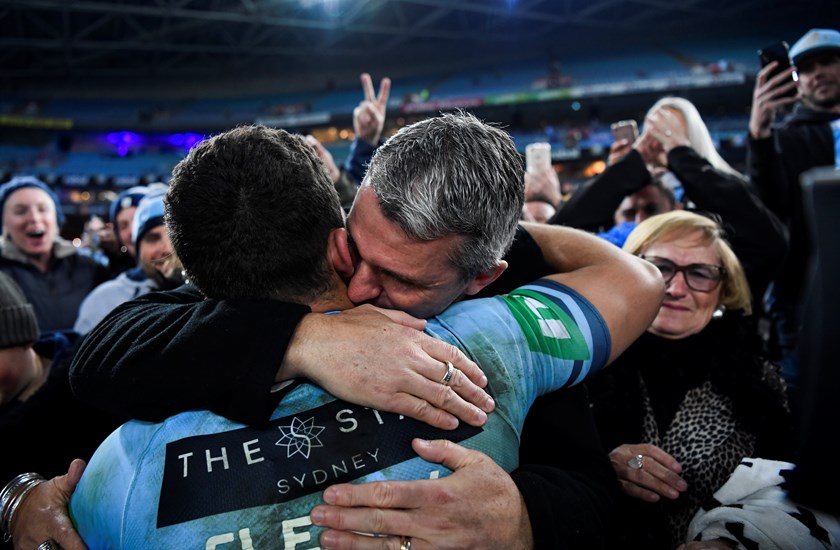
(20, 182)
(149, 215)
(128, 198)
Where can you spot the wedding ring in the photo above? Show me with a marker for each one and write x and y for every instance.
(636, 462)
(405, 542)
(49, 544)
(450, 370)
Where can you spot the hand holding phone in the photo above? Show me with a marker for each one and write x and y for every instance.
(778, 52)
(625, 129)
(537, 157)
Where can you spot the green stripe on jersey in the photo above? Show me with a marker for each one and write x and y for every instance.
(547, 327)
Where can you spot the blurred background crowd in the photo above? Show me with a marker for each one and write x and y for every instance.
(97, 97)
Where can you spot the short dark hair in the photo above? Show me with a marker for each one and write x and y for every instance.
(249, 213)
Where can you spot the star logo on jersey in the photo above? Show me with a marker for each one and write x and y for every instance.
(300, 437)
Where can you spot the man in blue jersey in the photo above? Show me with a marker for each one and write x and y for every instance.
(197, 479)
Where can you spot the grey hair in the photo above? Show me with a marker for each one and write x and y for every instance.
(698, 133)
(452, 175)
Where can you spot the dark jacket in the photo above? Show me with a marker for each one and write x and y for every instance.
(803, 141)
(47, 431)
(709, 400)
(56, 294)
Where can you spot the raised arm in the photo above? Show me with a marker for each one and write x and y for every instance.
(368, 123)
(591, 207)
(626, 290)
(757, 236)
(765, 169)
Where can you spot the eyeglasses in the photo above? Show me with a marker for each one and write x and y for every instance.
(699, 277)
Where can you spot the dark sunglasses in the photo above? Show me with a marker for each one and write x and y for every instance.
(699, 277)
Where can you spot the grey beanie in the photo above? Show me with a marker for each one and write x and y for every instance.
(18, 324)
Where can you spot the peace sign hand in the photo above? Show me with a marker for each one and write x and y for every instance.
(369, 116)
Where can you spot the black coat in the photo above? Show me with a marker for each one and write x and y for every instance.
(709, 400)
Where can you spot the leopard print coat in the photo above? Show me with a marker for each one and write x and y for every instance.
(706, 400)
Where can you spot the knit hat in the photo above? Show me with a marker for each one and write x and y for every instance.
(18, 324)
(20, 182)
(815, 41)
(149, 215)
(128, 198)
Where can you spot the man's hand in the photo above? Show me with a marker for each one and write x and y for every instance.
(325, 156)
(651, 150)
(369, 116)
(379, 358)
(619, 150)
(478, 506)
(43, 515)
(768, 96)
(544, 183)
(658, 476)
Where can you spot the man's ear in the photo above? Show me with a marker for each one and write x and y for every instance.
(485, 278)
(338, 252)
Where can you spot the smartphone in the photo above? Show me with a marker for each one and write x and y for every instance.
(625, 129)
(537, 157)
(778, 51)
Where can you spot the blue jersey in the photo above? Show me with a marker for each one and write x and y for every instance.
(198, 480)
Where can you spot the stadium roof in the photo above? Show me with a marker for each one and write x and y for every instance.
(125, 47)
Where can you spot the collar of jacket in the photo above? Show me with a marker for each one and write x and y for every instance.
(803, 114)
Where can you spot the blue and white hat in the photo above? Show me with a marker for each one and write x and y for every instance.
(149, 214)
(815, 41)
(127, 199)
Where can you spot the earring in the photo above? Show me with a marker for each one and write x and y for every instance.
(718, 313)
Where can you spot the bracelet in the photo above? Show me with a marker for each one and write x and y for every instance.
(12, 496)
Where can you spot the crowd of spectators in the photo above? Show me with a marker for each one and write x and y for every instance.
(684, 278)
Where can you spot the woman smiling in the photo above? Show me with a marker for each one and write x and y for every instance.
(53, 277)
(692, 396)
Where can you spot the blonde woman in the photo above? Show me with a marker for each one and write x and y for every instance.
(693, 395)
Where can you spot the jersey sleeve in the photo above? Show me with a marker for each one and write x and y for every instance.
(542, 337)
(565, 337)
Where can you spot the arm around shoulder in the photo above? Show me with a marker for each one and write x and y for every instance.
(627, 291)
(168, 352)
